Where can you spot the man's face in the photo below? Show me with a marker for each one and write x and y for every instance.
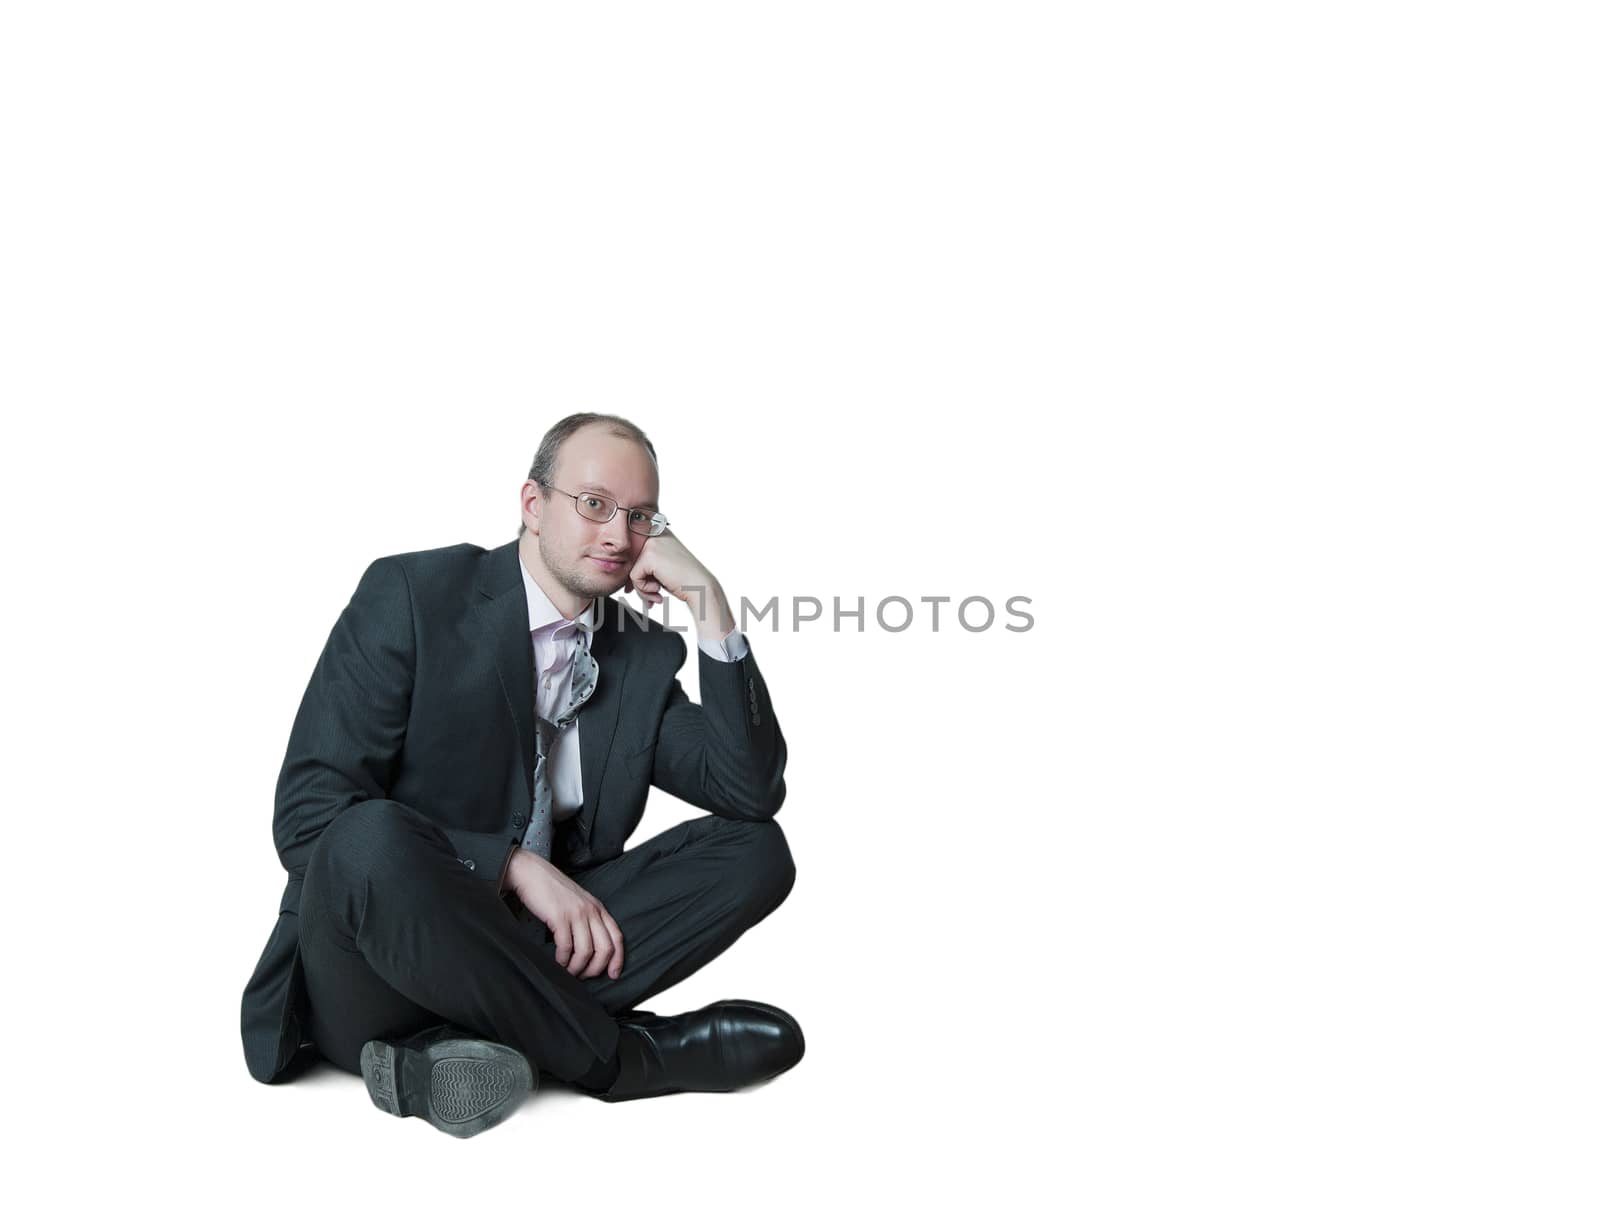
(587, 558)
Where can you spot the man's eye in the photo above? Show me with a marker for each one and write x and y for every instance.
(638, 517)
(591, 501)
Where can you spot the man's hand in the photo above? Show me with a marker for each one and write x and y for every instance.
(588, 940)
(665, 564)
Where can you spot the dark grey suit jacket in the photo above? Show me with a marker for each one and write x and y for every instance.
(423, 696)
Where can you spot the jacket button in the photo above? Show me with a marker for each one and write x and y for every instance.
(516, 823)
(471, 867)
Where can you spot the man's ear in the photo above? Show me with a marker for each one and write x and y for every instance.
(530, 505)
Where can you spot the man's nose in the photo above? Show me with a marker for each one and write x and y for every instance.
(615, 531)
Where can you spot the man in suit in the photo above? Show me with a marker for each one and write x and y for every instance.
(472, 752)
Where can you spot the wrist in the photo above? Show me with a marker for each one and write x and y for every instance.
(713, 617)
(516, 867)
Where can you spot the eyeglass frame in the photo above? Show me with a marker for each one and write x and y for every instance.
(615, 508)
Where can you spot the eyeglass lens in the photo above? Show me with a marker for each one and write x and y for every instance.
(599, 508)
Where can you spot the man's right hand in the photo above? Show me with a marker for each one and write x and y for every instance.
(588, 940)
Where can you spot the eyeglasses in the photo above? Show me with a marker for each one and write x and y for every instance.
(593, 506)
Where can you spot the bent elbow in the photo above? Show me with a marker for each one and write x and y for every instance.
(767, 805)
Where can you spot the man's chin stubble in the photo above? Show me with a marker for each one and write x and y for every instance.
(578, 586)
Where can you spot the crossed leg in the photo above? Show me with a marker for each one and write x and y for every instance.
(395, 935)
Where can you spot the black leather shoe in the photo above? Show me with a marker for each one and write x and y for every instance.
(460, 1083)
(723, 1046)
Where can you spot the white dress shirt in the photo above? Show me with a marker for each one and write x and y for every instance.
(555, 641)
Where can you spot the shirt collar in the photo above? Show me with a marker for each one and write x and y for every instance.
(541, 613)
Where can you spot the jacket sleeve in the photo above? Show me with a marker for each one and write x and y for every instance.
(725, 754)
(345, 746)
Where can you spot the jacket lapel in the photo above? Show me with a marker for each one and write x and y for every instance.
(597, 722)
(502, 611)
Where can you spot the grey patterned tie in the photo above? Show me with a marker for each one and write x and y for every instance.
(541, 826)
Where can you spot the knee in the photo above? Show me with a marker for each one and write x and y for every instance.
(372, 843)
(762, 871)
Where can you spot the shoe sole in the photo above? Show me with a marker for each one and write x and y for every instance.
(461, 1086)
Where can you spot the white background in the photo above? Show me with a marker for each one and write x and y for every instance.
(1255, 343)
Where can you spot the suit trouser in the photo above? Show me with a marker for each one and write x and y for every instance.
(396, 935)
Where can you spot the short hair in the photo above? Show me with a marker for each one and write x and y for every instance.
(544, 461)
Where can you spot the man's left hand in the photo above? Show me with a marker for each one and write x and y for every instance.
(665, 566)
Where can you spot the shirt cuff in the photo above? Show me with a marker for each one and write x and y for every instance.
(730, 647)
